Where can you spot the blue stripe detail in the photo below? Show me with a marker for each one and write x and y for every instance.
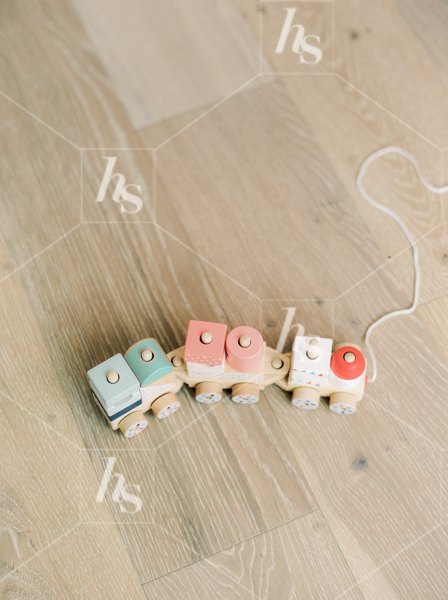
(125, 410)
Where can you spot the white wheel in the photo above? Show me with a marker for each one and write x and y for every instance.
(133, 424)
(208, 392)
(165, 406)
(305, 404)
(245, 393)
(305, 398)
(342, 403)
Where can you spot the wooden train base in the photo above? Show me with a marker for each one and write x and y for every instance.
(245, 390)
(343, 400)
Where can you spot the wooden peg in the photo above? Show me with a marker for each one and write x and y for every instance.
(206, 337)
(177, 361)
(244, 341)
(277, 363)
(313, 349)
(349, 357)
(112, 376)
(147, 355)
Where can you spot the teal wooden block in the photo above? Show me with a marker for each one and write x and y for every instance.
(116, 398)
(148, 361)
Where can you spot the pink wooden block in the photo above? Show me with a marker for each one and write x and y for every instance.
(242, 359)
(196, 351)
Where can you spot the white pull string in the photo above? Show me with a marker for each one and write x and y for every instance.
(403, 227)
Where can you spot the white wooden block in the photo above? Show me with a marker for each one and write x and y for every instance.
(152, 391)
(202, 370)
(311, 371)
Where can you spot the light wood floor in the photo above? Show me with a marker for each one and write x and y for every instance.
(246, 161)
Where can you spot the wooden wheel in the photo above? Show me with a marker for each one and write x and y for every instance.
(165, 406)
(245, 393)
(208, 392)
(343, 403)
(305, 398)
(133, 424)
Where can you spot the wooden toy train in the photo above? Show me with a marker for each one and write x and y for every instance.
(213, 360)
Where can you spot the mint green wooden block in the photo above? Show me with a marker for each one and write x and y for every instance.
(156, 368)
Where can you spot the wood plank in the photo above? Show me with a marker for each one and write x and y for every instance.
(166, 60)
(154, 288)
(26, 371)
(226, 478)
(381, 54)
(445, 176)
(58, 77)
(88, 563)
(297, 560)
(274, 167)
(418, 572)
(47, 487)
(292, 177)
(412, 373)
(428, 21)
(41, 184)
(377, 481)
(434, 316)
(349, 129)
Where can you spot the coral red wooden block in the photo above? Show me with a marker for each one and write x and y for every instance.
(205, 343)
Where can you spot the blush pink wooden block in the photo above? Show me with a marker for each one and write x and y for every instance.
(208, 354)
(244, 359)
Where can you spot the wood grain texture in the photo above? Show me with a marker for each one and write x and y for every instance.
(264, 487)
(27, 374)
(412, 373)
(182, 56)
(256, 205)
(243, 482)
(87, 323)
(445, 175)
(349, 128)
(391, 180)
(58, 77)
(401, 579)
(47, 485)
(291, 561)
(434, 316)
(291, 177)
(40, 184)
(88, 563)
(362, 469)
(379, 50)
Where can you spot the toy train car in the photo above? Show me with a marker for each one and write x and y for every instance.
(212, 360)
(126, 387)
